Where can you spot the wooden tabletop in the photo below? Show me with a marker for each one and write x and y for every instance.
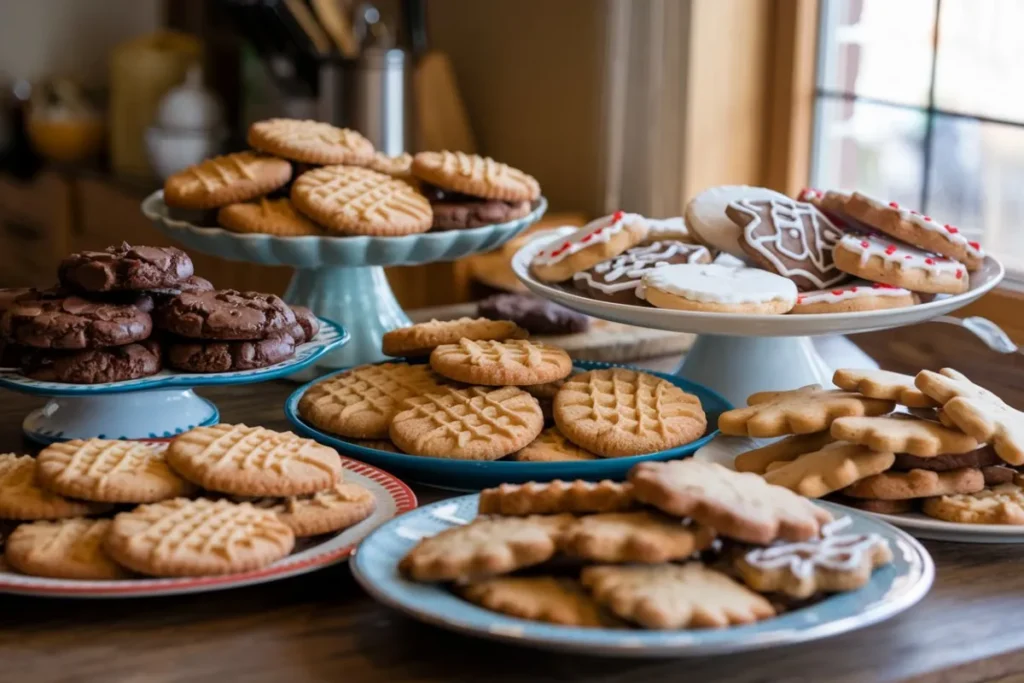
(322, 627)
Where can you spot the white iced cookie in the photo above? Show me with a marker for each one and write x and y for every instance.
(597, 241)
(706, 219)
(668, 230)
(719, 289)
(889, 261)
(859, 295)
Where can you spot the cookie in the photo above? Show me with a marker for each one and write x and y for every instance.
(376, 444)
(618, 412)
(483, 548)
(10, 295)
(476, 214)
(790, 238)
(360, 403)
(836, 563)
(65, 549)
(537, 598)
(805, 410)
(226, 180)
(332, 509)
(554, 497)
(737, 505)
(475, 175)
(125, 267)
(552, 446)
(707, 221)
(310, 142)
(998, 474)
(74, 323)
(1002, 504)
(898, 434)
(668, 230)
(513, 362)
(194, 284)
(23, 498)
(225, 314)
(672, 596)
(398, 166)
(422, 338)
(475, 423)
(253, 461)
(595, 242)
(199, 537)
(784, 450)
(357, 201)
(206, 357)
(859, 295)
(533, 314)
(307, 323)
(108, 471)
(889, 386)
(900, 265)
(619, 279)
(834, 467)
(718, 289)
(267, 217)
(93, 366)
(642, 536)
(881, 507)
(917, 484)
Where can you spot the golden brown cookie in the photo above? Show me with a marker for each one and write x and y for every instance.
(64, 549)
(513, 362)
(917, 484)
(339, 507)
(883, 384)
(552, 446)
(422, 338)
(376, 444)
(1002, 504)
(642, 536)
(267, 217)
(475, 175)
(537, 598)
(399, 166)
(310, 142)
(553, 497)
(801, 411)
(22, 498)
(883, 259)
(903, 434)
(594, 243)
(226, 180)
(784, 450)
(834, 467)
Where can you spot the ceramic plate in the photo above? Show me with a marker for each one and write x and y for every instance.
(467, 475)
(393, 498)
(891, 590)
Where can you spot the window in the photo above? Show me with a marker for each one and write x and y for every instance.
(922, 102)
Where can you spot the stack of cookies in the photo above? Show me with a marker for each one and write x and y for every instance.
(488, 392)
(222, 499)
(683, 544)
(343, 187)
(954, 456)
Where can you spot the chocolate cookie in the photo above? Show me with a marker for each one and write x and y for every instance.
(307, 325)
(476, 214)
(981, 457)
(619, 278)
(94, 366)
(225, 314)
(205, 357)
(537, 316)
(74, 323)
(125, 267)
(10, 295)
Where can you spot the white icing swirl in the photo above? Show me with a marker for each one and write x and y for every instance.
(711, 283)
(594, 232)
(835, 552)
(623, 272)
(853, 290)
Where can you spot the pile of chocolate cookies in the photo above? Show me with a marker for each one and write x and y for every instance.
(125, 312)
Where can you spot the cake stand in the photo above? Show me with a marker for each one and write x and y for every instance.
(738, 355)
(341, 278)
(157, 407)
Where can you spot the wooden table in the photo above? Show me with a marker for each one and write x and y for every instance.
(322, 627)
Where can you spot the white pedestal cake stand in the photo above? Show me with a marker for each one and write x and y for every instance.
(738, 355)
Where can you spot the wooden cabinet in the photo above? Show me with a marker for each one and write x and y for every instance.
(35, 222)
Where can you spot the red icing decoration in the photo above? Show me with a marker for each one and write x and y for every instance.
(959, 274)
(930, 261)
(891, 249)
(837, 292)
(853, 289)
(587, 238)
(865, 244)
(881, 285)
(915, 212)
(950, 229)
(908, 257)
(617, 216)
(894, 205)
(975, 245)
(928, 218)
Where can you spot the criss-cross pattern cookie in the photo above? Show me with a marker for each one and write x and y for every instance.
(579, 497)
(422, 338)
(801, 411)
(183, 537)
(63, 549)
(1002, 504)
(343, 505)
(784, 450)
(267, 217)
(834, 467)
(917, 484)
(22, 498)
(618, 412)
(672, 596)
(513, 362)
(640, 536)
(737, 505)
(310, 142)
(226, 180)
(253, 461)
(903, 434)
(883, 384)
(475, 175)
(552, 446)
(537, 598)
(488, 546)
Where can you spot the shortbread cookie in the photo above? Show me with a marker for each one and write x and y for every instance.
(483, 548)
(708, 222)
(360, 403)
(226, 180)
(737, 505)
(123, 268)
(984, 456)
(253, 461)
(801, 411)
(475, 423)
(834, 467)
(23, 498)
(1003, 504)
(859, 295)
(267, 217)
(552, 446)
(357, 201)
(836, 563)
(537, 598)
(422, 338)
(881, 507)
(903, 434)
(397, 166)
(784, 450)
(553, 497)
(310, 142)
(513, 362)
(475, 175)
(109, 472)
(65, 549)
(618, 412)
(917, 484)
(790, 238)
(343, 505)
(889, 386)
(225, 314)
(672, 596)
(597, 241)
(668, 230)
(199, 537)
(718, 289)
(618, 279)
(643, 536)
(900, 265)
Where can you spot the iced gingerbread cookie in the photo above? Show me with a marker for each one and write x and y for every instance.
(718, 289)
(597, 241)
(890, 262)
(618, 279)
(859, 295)
(707, 221)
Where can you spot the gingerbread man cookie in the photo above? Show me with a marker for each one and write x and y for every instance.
(595, 242)
(900, 265)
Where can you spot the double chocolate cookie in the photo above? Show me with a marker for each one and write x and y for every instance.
(457, 211)
(536, 315)
(125, 268)
(73, 323)
(618, 279)
(225, 315)
(306, 327)
(192, 356)
(93, 366)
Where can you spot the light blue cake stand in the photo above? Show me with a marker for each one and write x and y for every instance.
(341, 278)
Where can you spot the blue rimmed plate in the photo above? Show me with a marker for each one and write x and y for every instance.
(468, 475)
(891, 590)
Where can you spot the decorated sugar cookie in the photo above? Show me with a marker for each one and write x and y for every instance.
(663, 229)
(596, 241)
(859, 295)
(706, 219)
(885, 260)
(716, 288)
(619, 278)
